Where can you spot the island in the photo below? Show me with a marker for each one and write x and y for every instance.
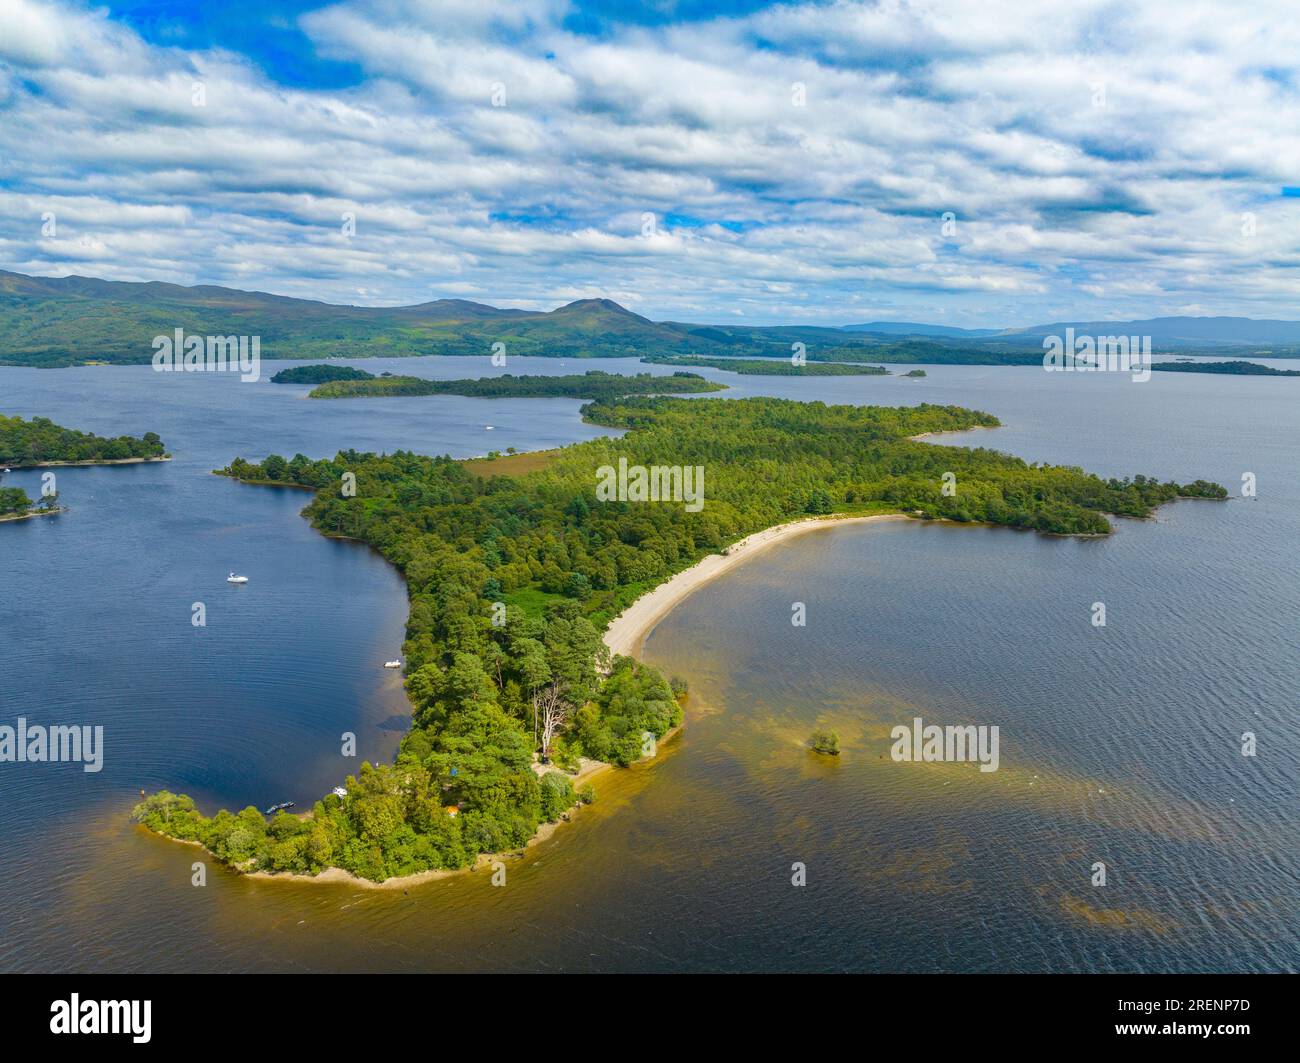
(514, 569)
(16, 505)
(1234, 368)
(770, 366)
(40, 442)
(915, 373)
(593, 385)
(319, 374)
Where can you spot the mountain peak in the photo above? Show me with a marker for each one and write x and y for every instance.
(590, 306)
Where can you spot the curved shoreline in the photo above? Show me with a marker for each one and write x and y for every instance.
(589, 769)
(627, 632)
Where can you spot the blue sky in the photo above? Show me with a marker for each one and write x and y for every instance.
(267, 33)
(1000, 163)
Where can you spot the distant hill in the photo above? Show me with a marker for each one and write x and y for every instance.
(1178, 332)
(913, 328)
(69, 320)
(1181, 332)
(47, 321)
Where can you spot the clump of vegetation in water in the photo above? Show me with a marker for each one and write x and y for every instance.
(915, 373)
(827, 742)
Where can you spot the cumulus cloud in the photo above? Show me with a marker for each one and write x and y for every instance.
(1001, 163)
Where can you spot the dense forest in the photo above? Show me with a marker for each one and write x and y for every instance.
(593, 385)
(41, 440)
(319, 374)
(769, 366)
(512, 578)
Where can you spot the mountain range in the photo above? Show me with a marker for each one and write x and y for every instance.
(47, 321)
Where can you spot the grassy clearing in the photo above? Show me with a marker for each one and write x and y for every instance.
(511, 464)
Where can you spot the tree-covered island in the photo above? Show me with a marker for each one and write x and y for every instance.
(1233, 368)
(38, 442)
(16, 505)
(319, 374)
(511, 579)
(594, 385)
(769, 366)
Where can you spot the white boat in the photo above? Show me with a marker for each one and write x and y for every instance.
(340, 792)
(487, 428)
(392, 664)
(232, 578)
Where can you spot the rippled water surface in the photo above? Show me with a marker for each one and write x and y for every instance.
(1118, 744)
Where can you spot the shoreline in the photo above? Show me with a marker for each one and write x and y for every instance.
(266, 483)
(33, 513)
(87, 462)
(956, 432)
(627, 632)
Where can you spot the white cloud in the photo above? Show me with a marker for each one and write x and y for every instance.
(1095, 155)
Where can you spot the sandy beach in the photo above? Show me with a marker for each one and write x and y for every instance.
(83, 464)
(955, 432)
(625, 635)
(32, 513)
(627, 632)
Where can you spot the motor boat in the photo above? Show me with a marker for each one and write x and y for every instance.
(232, 578)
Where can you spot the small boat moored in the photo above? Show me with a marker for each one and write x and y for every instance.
(278, 808)
(392, 664)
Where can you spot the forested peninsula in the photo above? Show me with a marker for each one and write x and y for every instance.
(593, 385)
(511, 580)
(28, 444)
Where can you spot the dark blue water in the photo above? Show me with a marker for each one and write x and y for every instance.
(683, 864)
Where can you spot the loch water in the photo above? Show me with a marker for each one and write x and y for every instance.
(1119, 745)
